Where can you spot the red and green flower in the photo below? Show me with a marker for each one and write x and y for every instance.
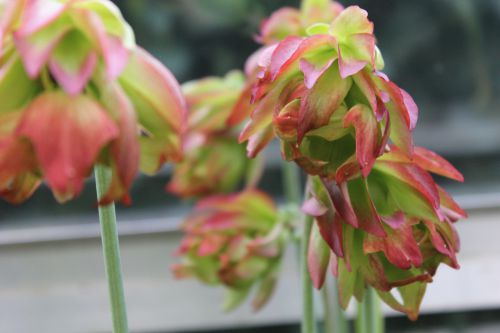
(75, 90)
(236, 241)
(214, 161)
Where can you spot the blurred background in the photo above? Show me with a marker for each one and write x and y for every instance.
(445, 53)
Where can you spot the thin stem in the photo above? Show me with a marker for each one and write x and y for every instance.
(308, 318)
(291, 182)
(332, 311)
(374, 315)
(360, 325)
(327, 309)
(111, 253)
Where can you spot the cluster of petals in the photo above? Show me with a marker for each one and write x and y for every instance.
(76, 91)
(236, 241)
(214, 161)
(381, 218)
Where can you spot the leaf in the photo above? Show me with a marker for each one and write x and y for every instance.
(67, 134)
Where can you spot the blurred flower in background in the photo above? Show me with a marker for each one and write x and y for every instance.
(214, 161)
(238, 241)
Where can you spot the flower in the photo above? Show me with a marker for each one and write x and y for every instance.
(75, 91)
(389, 230)
(214, 161)
(236, 241)
(380, 217)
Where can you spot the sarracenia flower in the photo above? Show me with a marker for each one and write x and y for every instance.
(214, 161)
(75, 91)
(389, 230)
(378, 211)
(237, 241)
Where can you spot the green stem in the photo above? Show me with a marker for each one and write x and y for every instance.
(327, 309)
(374, 315)
(111, 253)
(335, 319)
(360, 325)
(291, 182)
(308, 318)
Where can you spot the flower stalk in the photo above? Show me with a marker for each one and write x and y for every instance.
(308, 317)
(334, 317)
(111, 252)
(374, 315)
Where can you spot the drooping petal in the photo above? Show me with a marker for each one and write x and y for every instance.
(313, 70)
(13, 74)
(400, 247)
(367, 136)
(72, 62)
(450, 205)
(342, 206)
(355, 56)
(67, 134)
(160, 107)
(414, 176)
(318, 257)
(38, 14)
(259, 141)
(432, 162)
(321, 102)
(352, 20)
(112, 48)
(362, 205)
(35, 48)
(282, 23)
(125, 148)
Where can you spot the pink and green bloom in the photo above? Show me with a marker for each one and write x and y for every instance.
(214, 161)
(75, 91)
(236, 241)
(381, 220)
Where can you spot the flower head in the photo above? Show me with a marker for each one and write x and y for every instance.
(381, 218)
(214, 161)
(75, 90)
(236, 241)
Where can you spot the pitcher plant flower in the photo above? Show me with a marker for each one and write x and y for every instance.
(75, 91)
(237, 241)
(214, 162)
(381, 220)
